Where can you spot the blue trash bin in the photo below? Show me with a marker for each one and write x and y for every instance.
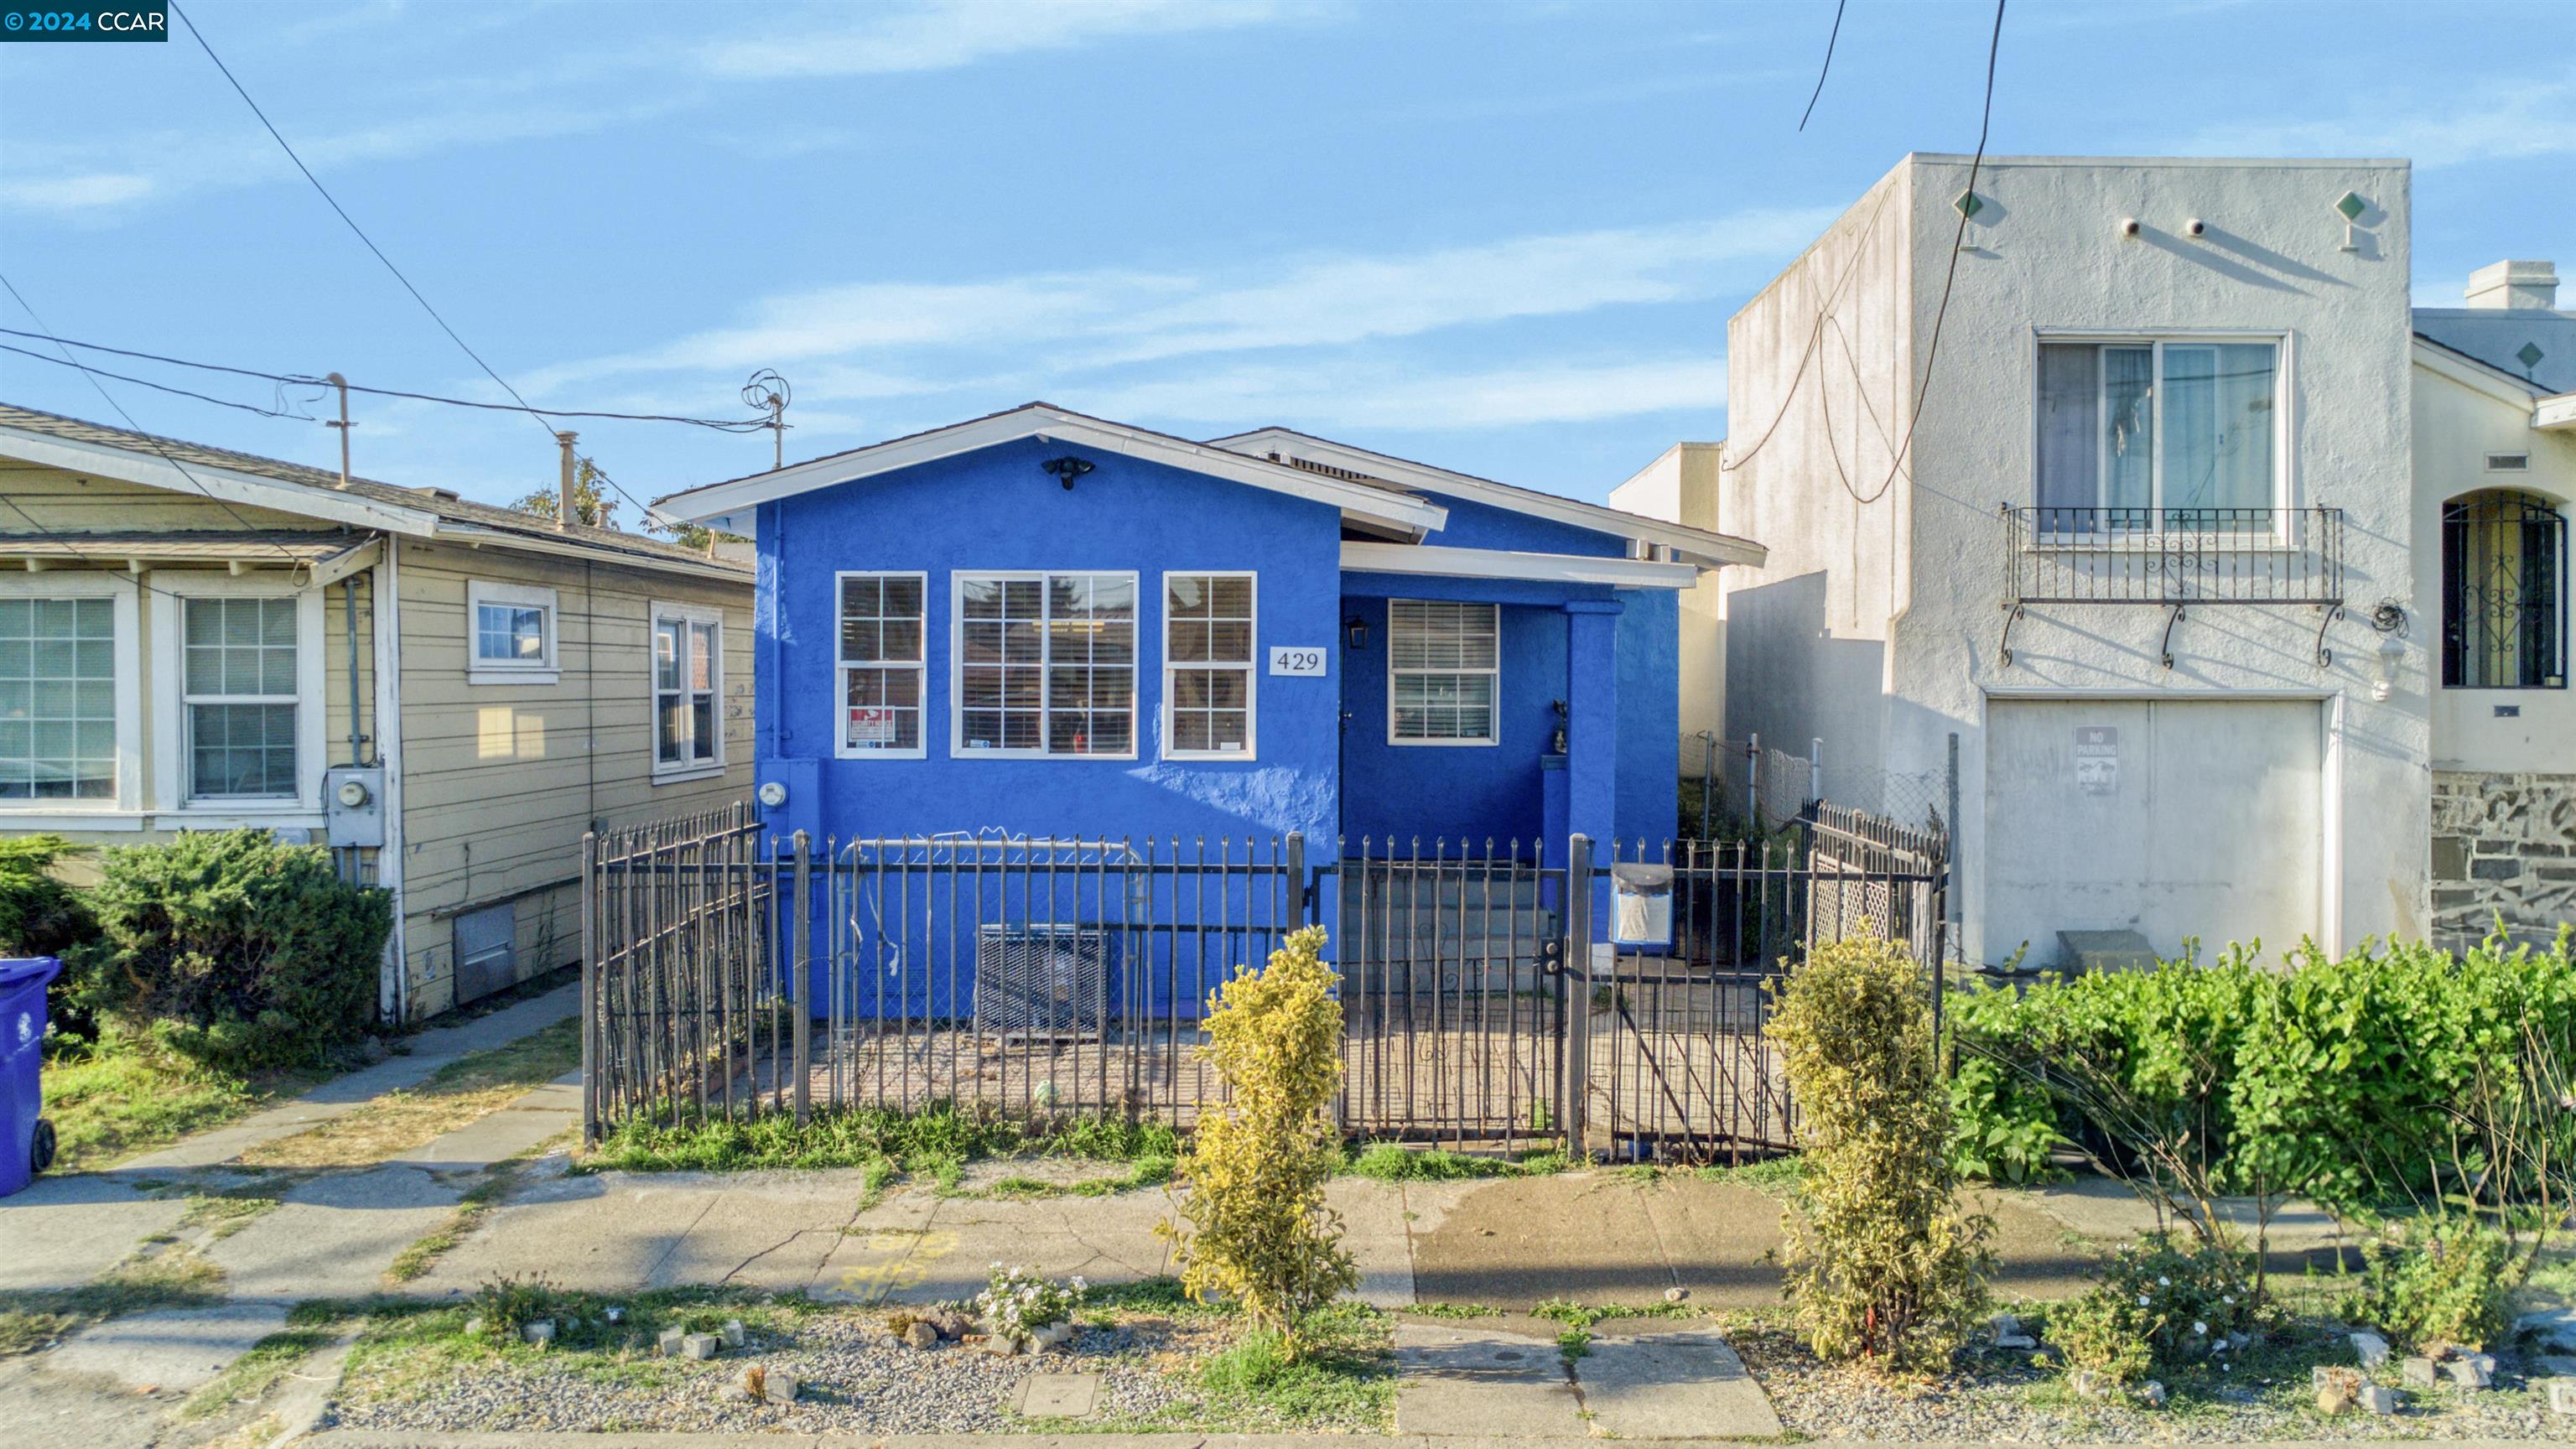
(26, 1138)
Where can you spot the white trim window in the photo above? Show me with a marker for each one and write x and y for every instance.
(66, 687)
(1443, 672)
(882, 619)
(2148, 434)
(1045, 665)
(238, 697)
(510, 633)
(1209, 625)
(688, 692)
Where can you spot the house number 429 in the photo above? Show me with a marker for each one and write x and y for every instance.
(1289, 660)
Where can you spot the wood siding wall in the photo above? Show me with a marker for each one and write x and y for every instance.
(501, 780)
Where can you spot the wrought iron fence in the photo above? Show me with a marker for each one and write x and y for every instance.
(731, 974)
(2173, 558)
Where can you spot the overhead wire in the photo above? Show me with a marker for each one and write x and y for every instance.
(1827, 68)
(729, 425)
(378, 252)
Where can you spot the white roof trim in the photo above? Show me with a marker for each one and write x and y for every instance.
(1486, 563)
(2555, 414)
(2469, 372)
(139, 465)
(1373, 505)
(475, 535)
(1697, 543)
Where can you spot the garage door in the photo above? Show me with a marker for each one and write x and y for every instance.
(2170, 819)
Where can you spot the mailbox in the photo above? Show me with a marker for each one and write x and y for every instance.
(1641, 905)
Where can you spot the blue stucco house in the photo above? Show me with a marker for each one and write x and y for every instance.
(1039, 622)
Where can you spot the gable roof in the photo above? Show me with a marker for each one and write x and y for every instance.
(1304, 450)
(1370, 502)
(79, 446)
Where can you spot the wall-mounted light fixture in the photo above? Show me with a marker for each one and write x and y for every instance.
(1067, 468)
(1355, 633)
(2388, 618)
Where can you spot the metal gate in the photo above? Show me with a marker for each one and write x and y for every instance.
(731, 974)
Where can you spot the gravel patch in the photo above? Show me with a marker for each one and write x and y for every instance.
(1999, 1402)
(853, 1381)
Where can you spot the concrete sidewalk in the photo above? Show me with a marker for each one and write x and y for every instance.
(370, 1439)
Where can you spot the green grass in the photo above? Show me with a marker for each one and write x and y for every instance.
(935, 1142)
(1774, 1176)
(121, 1095)
(173, 1278)
(222, 1214)
(1454, 1310)
(1395, 1162)
(1144, 1172)
(256, 1372)
(1344, 1382)
(1583, 1315)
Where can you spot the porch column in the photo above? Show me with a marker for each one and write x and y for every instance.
(1591, 722)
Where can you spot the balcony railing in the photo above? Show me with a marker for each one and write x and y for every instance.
(2173, 558)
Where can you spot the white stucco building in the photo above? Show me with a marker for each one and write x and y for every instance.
(2156, 383)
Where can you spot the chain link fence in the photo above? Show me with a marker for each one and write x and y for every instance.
(1742, 790)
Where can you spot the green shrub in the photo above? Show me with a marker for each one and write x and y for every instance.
(237, 952)
(2455, 1288)
(1258, 1231)
(41, 916)
(2159, 1304)
(1882, 1265)
(2359, 1082)
(508, 1304)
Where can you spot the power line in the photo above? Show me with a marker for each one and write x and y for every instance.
(360, 233)
(727, 425)
(155, 443)
(1828, 67)
(1815, 335)
(147, 382)
(1967, 203)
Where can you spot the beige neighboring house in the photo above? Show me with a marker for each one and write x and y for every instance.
(1681, 487)
(447, 693)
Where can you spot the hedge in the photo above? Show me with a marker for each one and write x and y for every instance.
(2338, 1079)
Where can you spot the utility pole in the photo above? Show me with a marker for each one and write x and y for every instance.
(770, 393)
(563, 501)
(342, 383)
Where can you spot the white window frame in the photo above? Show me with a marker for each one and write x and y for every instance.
(169, 692)
(1495, 736)
(842, 749)
(1251, 667)
(2285, 490)
(673, 772)
(957, 747)
(125, 618)
(478, 670)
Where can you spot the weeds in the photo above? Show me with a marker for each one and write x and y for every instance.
(934, 1141)
(464, 1090)
(252, 1375)
(1395, 1162)
(174, 1278)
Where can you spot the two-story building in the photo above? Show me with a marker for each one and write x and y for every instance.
(2095, 472)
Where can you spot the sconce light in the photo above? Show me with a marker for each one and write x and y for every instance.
(2383, 668)
(1355, 632)
(1066, 469)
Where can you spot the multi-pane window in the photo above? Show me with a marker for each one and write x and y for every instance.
(509, 634)
(880, 662)
(1207, 663)
(237, 681)
(2147, 435)
(688, 667)
(2504, 592)
(1046, 663)
(1443, 660)
(57, 699)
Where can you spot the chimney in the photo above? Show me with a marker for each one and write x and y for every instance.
(563, 500)
(2515, 286)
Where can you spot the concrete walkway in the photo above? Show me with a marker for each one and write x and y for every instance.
(379, 1439)
(333, 1234)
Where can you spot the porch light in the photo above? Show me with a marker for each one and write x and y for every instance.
(1065, 469)
(2383, 667)
(1355, 632)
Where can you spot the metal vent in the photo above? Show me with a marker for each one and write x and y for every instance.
(1041, 982)
(2508, 462)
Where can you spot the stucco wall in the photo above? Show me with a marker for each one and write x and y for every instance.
(995, 509)
(1682, 487)
(2457, 424)
(1922, 570)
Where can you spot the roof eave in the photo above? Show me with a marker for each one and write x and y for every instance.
(150, 469)
(1372, 505)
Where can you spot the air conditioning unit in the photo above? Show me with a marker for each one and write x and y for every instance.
(1035, 983)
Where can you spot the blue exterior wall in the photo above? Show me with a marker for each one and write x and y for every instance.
(1474, 792)
(995, 509)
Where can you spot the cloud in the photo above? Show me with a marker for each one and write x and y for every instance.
(946, 34)
(2510, 120)
(1086, 321)
(1417, 399)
